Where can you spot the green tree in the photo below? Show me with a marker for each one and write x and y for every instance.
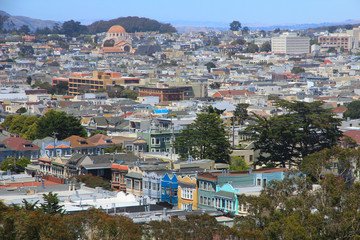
(28, 80)
(353, 110)
(214, 85)
(24, 29)
(239, 41)
(304, 128)
(14, 165)
(61, 88)
(235, 26)
(21, 110)
(245, 30)
(238, 164)
(204, 139)
(265, 47)
(332, 50)
(61, 123)
(251, 48)
(241, 113)
(51, 205)
(73, 28)
(26, 51)
(209, 66)
(93, 133)
(332, 29)
(297, 70)
(277, 30)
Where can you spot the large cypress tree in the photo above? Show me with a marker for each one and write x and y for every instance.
(204, 139)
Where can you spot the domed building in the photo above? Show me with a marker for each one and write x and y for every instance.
(117, 40)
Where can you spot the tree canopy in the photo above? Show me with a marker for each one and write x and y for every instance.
(132, 25)
(235, 26)
(61, 123)
(265, 47)
(302, 129)
(204, 139)
(14, 165)
(353, 110)
(297, 70)
(32, 127)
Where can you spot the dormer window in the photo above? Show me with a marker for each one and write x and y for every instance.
(108, 141)
(2, 146)
(27, 145)
(83, 142)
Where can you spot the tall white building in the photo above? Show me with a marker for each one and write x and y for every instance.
(290, 43)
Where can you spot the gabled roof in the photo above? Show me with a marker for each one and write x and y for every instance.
(20, 144)
(76, 141)
(100, 139)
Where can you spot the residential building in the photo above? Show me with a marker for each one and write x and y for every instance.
(118, 173)
(160, 140)
(169, 189)
(80, 83)
(187, 193)
(164, 94)
(134, 181)
(290, 43)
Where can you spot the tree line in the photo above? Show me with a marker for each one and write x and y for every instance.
(32, 127)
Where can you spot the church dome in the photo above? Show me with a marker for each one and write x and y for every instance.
(117, 29)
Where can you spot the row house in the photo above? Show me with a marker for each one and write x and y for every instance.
(18, 147)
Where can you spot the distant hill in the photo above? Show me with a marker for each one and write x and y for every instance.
(18, 21)
(132, 25)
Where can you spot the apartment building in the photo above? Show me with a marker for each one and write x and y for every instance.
(80, 83)
(290, 43)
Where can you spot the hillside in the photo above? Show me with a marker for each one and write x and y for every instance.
(131, 25)
(33, 23)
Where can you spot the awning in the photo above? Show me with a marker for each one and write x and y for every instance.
(224, 194)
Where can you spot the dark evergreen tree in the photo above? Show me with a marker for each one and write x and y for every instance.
(304, 128)
(206, 138)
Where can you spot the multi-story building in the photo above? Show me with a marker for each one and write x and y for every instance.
(164, 94)
(336, 41)
(290, 43)
(80, 83)
(349, 40)
(160, 140)
(187, 193)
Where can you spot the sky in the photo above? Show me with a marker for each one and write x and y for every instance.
(198, 12)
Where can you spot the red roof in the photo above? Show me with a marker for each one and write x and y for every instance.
(354, 134)
(119, 167)
(20, 144)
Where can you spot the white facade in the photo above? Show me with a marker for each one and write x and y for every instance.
(290, 43)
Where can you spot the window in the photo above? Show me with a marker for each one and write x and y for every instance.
(137, 185)
(251, 158)
(153, 186)
(201, 199)
(152, 140)
(187, 193)
(258, 182)
(128, 183)
(264, 182)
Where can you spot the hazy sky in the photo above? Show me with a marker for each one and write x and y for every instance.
(266, 12)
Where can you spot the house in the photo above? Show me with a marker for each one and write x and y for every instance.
(18, 147)
(187, 193)
(152, 185)
(81, 145)
(169, 189)
(102, 141)
(133, 180)
(118, 173)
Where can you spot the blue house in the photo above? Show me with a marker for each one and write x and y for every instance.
(225, 198)
(169, 188)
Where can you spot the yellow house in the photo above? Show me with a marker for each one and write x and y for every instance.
(187, 193)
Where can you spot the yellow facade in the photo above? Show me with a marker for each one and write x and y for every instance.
(187, 193)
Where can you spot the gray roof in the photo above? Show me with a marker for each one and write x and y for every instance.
(134, 175)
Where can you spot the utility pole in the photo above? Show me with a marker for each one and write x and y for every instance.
(54, 135)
